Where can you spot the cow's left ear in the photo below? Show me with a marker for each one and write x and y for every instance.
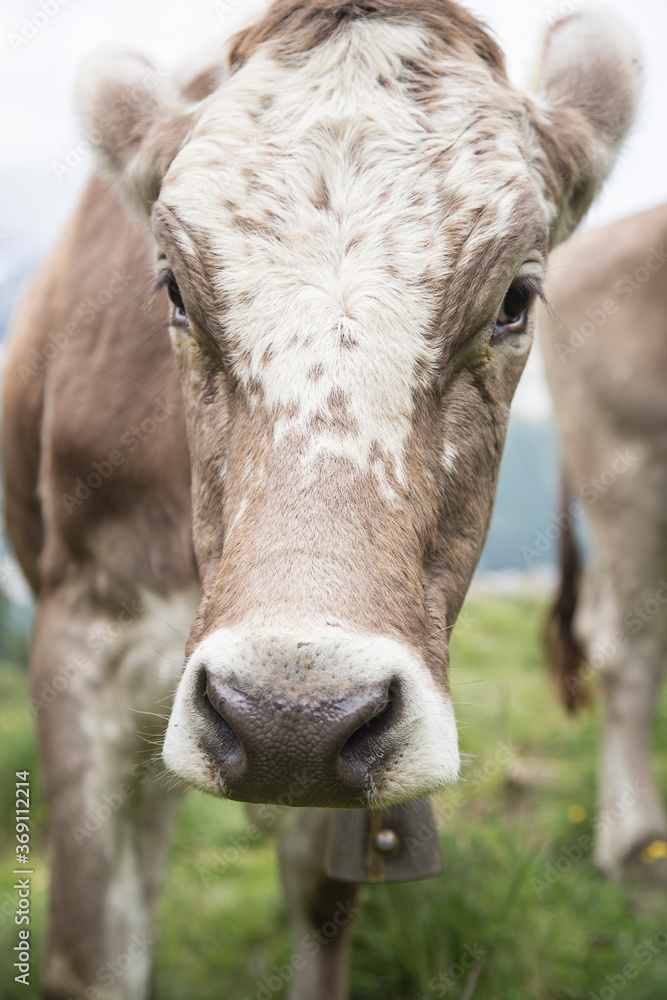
(587, 91)
(135, 119)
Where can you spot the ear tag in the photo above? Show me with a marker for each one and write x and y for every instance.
(396, 844)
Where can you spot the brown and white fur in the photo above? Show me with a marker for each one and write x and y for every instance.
(352, 212)
(605, 350)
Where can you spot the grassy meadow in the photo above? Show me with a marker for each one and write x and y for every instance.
(502, 923)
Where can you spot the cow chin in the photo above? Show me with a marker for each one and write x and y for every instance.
(332, 720)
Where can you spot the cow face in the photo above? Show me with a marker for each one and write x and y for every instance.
(352, 228)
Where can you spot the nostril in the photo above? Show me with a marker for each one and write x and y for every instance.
(375, 722)
(368, 744)
(210, 702)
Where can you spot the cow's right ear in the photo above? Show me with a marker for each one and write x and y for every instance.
(587, 92)
(135, 120)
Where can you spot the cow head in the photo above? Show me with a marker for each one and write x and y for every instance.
(352, 226)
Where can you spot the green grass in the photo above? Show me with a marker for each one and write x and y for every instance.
(222, 932)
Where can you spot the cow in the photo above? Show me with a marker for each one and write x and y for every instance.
(605, 353)
(259, 392)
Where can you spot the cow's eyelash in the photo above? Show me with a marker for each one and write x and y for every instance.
(162, 280)
(533, 287)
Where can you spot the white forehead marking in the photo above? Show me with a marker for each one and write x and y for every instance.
(325, 212)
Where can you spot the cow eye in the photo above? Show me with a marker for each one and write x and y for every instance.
(174, 293)
(514, 310)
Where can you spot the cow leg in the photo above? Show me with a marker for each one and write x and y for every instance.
(321, 911)
(627, 644)
(632, 812)
(93, 676)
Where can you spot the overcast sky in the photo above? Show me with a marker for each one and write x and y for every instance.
(38, 126)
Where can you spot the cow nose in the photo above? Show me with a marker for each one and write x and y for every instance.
(297, 749)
